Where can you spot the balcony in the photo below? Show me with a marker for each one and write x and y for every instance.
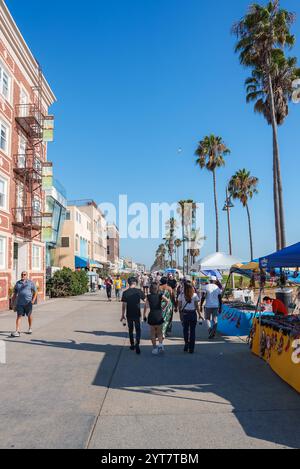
(27, 218)
(28, 164)
(30, 119)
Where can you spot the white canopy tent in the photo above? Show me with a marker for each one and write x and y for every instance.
(216, 261)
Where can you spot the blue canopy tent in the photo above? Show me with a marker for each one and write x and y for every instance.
(288, 257)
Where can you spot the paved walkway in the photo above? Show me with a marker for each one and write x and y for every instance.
(75, 384)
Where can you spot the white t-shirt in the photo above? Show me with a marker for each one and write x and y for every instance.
(188, 306)
(212, 292)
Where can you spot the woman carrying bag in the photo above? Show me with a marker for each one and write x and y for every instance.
(189, 307)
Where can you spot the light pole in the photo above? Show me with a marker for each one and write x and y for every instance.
(227, 207)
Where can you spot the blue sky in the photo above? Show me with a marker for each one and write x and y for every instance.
(136, 80)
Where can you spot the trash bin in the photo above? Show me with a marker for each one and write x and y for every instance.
(285, 295)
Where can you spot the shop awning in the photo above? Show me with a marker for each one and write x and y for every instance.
(95, 265)
(288, 257)
(81, 262)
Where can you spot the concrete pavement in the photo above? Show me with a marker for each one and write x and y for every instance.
(75, 384)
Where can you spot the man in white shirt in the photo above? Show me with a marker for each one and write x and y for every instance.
(212, 296)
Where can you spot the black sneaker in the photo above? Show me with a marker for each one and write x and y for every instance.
(138, 350)
(186, 348)
(132, 347)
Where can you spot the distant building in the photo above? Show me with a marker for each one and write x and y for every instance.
(83, 241)
(113, 246)
(25, 129)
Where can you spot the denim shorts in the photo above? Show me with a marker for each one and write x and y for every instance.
(25, 310)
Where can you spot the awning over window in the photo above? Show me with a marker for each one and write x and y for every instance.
(81, 262)
(95, 265)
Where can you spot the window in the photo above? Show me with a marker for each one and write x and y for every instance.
(77, 244)
(4, 83)
(22, 152)
(3, 137)
(68, 216)
(65, 242)
(78, 217)
(2, 253)
(36, 257)
(3, 193)
(108, 250)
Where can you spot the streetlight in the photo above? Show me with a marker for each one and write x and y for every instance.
(227, 207)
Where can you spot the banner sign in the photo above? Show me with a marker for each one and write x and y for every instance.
(48, 129)
(47, 229)
(47, 176)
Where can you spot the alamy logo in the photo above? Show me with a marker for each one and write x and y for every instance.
(296, 354)
(2, 352)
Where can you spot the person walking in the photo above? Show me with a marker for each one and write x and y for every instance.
(108, 286)
(118, 287)
(189, 307)
(212, 297)
(167, 306)
(146, 284)
(131, 309)
(155, 318)
(100, 283)
(24, 297)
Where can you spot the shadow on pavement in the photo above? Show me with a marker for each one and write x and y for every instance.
(222, 374)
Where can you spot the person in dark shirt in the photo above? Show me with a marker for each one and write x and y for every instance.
(131, 308)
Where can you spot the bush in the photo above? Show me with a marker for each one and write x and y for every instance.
(66, 283)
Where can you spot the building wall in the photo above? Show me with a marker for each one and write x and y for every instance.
(98, 234)
(22, 70)
(75, 228)
(113, 244)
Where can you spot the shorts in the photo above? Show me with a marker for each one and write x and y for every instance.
(211, 313)
(25, 310)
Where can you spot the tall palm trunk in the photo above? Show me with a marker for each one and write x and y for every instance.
(250, 233)
(216, 210)
(278, 192)
(183, 243)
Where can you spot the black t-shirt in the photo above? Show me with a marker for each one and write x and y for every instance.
(132, 297)
(172, 283)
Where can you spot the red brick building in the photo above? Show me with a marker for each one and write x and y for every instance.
(25, 97)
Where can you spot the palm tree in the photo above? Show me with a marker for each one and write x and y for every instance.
(284, 73)
(178, 244)
(171, 226)
(211, 152)
(243, 187)
(184, 207)
(262, 31)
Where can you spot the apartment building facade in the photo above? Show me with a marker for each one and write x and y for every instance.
(83, 241)
(25, 98)
(99, 232)
(113, 246)
(74, 249)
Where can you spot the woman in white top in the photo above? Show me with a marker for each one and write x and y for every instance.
(189, 307)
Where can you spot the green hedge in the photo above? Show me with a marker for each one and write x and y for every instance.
(66, 283)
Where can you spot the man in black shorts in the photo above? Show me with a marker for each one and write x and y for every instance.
(131, 308)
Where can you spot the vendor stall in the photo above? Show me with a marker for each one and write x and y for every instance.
(236, 319)
(277, 341)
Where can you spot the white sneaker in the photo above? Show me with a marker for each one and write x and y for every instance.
(16, 334)
(161, 349)
(155, 351)
(29, 332)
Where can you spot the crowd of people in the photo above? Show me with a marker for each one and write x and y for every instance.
(164, 296)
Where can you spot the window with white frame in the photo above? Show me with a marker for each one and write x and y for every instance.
(77, 243)
(36, 257)
(3, 137)
(3, 193)
(4, 83)
(2, 252)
